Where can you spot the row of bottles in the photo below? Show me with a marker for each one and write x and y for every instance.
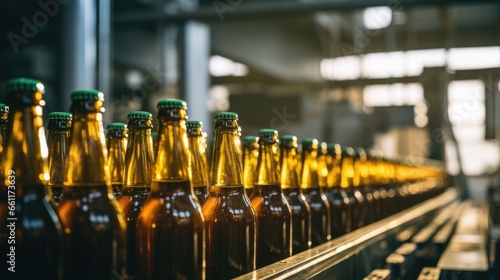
(92, 204)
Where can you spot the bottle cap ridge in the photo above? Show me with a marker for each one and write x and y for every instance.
(59, 116)
(140, 115)
(87, 94)
(22, 84)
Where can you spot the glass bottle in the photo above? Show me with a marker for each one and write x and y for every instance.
(93, 226)
(339, 202)
(171, 227)
(250, 156)
(363, 205)
(361, 165)
(320, 208)
(299, 207)
(230, 219)
(116, 139)
(197, 144)
(347, 183)
(38, 237)
(274, 218)
(4, 121)
(138, 166)
(59, 126)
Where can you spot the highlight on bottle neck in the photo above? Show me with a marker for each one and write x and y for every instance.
(289, 162)
(309, 175)
(347, 169)
(334, 156)
(267, 163)
(226, 166)
(139, 153)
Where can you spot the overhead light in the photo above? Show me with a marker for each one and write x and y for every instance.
(473, 58)
(377, 17)
(220, 66)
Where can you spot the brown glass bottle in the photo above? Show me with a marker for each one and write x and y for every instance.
(274, 219)
(116, 137)
(59, 126)
(363, 203)
(300, 209)
(362, 167)
(197, 146)
(230, 219)
(347, 183)
(4, 115)
(38, 233)
(250, 156)
(320, 208)
(138, 166)
(340, 206)
(375, 181)
(171, 227)
(93, 226)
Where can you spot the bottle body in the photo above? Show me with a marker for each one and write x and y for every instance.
(173, 223)
(231, 225)
(301, 219)
(274, 241)
(94, 233)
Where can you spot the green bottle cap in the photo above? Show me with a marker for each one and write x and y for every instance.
(193, 124)
(140, 115)
(22, 84)
(309, 144)
(116, 126)
(348, 151)
(59, 116)
(266, 132)
(4, 109)
(288, 141)
(250, 139)
(226, 116)
(87, 94)
(171, 104)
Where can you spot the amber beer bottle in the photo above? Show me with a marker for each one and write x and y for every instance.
(93, 226)
(337, 197)
(230, 219)
(138, 166)
(59, 126)
(117, 135)
(300, 209)
(320, 208)
(274, 218)
(171, 227)
(361, 166)
(4, 120)
(250, 157)
(363, 203)
(37, 247)
(347, 183)
(197, 145)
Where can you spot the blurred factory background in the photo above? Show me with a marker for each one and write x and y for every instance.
(407, 77)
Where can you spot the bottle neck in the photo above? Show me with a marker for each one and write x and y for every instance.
(309, 170)
(347, 172)
(289, 175)
(86, 160)
(172, 155)
(323, 170)
(250, 158)
(226, 167)
(198, 161)
(116, 159)
(26, 153)
(58, 143)
(138, 158)
(364, 172)
(334, 173)
(267, 165)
